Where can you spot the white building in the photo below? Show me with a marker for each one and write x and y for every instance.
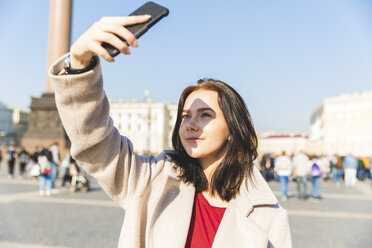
(343, 125)
(6, 125)
(172, 110)
(148, 125)
(276, 142)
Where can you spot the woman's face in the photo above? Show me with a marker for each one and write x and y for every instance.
(203, 130)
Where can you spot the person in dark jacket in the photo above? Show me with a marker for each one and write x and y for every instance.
(11, 157)
(23, 157)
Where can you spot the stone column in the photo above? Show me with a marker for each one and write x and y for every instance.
(45, 126)
(59, 32)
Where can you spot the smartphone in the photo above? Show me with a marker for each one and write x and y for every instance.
(156, 11)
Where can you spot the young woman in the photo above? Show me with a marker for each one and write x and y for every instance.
(205, 193)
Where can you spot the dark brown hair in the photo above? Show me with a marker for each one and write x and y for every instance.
(241, 145)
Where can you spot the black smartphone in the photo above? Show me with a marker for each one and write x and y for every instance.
(156, 11)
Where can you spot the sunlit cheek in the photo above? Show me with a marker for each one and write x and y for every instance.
(181, 132)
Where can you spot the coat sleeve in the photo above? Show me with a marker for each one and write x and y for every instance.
(96, 144)
(279, 233)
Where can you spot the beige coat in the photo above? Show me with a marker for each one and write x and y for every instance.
(157, 204)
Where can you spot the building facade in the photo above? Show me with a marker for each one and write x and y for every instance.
(276, 142)
(20, 123)
(13, 125)
(6, 125)
(147, 124)
(342, 125)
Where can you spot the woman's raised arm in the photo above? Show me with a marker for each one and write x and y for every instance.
(84, 109)
(105, 30)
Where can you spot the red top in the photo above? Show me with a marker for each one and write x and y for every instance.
(204, 223)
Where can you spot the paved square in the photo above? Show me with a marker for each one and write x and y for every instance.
(343, 218)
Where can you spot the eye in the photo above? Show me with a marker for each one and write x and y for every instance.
(205, 114)
(184, 116)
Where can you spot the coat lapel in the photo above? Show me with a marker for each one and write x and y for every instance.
(171, 217)
(236, 228)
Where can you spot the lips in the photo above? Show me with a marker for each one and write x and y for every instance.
(193, 139)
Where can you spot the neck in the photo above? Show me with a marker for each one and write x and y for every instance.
(208, 169)
(209, 166)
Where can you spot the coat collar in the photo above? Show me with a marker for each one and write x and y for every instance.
(251, 193)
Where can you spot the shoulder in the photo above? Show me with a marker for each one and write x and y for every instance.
(278, 213)
(273, 218)
(164, 157)
(166, 162)
(279, 231)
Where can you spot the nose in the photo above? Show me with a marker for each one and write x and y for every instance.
(191, 125)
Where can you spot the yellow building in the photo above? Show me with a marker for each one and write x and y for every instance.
(20, 122)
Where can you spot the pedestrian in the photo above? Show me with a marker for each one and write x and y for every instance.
(302, 164)
(283, 168)
(265, 166)
(55, 161)
(270, 173)
(370, 168)
(79, 180)
(338, 171)
(11, 158)
(44, 160)
(325, 166)
(65, 175)
(366, 167)
(350, 170)
(316, 177)
(360, 169)
(37, 151)
(34, 164)
(207, 183)
(22, 159)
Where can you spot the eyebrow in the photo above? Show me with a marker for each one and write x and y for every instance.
(199, 110)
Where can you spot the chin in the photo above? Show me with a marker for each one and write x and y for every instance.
(194, 154)
(190, 153)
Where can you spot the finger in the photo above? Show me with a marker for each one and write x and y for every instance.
(126, 20)
(114, 41)
(100, 51)
(122, 32)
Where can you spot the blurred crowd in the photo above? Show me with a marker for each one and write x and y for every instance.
(44, 164)
(303, 169)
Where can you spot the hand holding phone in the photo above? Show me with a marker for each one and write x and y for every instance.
(156, 11)
(111, 35)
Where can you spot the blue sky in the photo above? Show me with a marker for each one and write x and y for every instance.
(283, 57)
